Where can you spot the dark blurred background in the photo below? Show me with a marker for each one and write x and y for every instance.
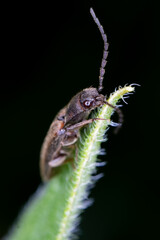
(49, 53)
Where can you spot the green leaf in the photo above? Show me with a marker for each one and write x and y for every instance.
(53, 212)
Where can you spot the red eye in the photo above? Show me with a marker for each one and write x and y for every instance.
(87, 103)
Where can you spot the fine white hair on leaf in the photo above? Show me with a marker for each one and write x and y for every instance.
(128, 94)
(85, 132)
(86, 203)
(115, 89)
(114, 124)
(125, 96)
(101, 140)
(119, 105)
(102, 152)
(124, 100)
(135, 84)
(97, 177)
(100, 164)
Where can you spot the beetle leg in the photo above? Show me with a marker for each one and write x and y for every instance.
(70, 138)
(57, 161)
(83, 123)
(69, 142)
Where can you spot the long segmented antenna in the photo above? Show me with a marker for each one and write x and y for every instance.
(105, 52)
(102, 68)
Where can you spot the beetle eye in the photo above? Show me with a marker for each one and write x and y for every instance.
(87, 103)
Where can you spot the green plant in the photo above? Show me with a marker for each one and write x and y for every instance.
(53, 212)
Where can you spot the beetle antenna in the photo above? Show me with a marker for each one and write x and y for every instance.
(105, 50)
(120, 114)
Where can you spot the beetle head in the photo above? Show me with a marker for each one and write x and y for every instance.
(90, 99)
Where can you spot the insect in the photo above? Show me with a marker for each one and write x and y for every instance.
(64, 130)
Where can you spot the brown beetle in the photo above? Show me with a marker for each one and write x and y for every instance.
(64, 130)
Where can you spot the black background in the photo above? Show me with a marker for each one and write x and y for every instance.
(49, 53)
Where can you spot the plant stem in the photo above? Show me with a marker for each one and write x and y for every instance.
(53, 213)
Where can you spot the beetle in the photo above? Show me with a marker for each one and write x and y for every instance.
(64, 131)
